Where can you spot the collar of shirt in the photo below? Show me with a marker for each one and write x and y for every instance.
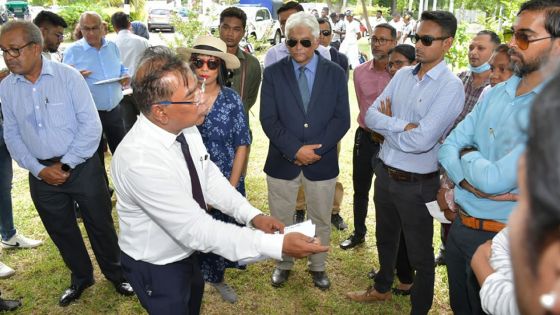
(372, 66)
(46, 69)
(433, 73)
(239, 54)
(512, 83)
(166, 138)
(311, 66)
(87, 46)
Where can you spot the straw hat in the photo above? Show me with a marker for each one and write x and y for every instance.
(211, 46)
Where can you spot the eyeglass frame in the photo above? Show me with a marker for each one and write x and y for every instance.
(322, 33)
(291, 41)
(218, 62)
(199, 92)
(380, 41)
(17, 50)
(510, 35)
(414, 39)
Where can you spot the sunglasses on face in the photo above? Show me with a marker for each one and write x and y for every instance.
(426, 40)
(304, 42)
(212, 64)
(521, 39)
(326, 33)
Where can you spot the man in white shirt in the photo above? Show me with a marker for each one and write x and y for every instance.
(349, 46)
(280, 51)
(398, 24)
(164, 180)
(378, 19)
(131, 47)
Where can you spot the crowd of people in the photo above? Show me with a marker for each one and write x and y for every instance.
(177, 125)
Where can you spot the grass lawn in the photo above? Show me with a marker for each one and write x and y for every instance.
(41, 275)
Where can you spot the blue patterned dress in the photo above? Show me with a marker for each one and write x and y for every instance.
(223, 131)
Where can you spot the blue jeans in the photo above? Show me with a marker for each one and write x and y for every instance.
(7, 229)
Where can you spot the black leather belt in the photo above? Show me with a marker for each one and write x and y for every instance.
(404, 176)
(374, 136)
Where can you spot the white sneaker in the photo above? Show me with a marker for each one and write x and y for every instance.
(20, 241)
(5, 271)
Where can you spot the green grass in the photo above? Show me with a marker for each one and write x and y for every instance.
(41, 275)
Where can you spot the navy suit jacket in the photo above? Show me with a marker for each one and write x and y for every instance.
(339, 59)
(289, 127)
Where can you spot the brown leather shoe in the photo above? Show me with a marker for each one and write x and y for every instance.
(369, 295)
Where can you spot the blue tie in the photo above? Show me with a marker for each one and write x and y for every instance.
(303, 87)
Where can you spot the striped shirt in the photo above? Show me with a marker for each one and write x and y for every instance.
(472, 94)
(497, 293)
(53, 117)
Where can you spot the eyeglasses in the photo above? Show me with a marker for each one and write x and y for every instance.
(426, 40)
(325, 33)
(304, 42)
(90, 29)
(212, 64)
(14, 52)
(379, 41)
(521, 39)
(196, 102)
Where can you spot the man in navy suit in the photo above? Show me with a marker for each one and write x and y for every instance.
(305, 113)
(325, 37)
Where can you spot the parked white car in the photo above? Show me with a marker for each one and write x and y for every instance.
(260, 24)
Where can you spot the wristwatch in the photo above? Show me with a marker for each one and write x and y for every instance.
(65, 167)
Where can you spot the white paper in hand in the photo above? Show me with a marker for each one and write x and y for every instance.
(436, 212)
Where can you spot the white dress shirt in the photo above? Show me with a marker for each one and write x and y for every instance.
(159, 220)
(131, 47)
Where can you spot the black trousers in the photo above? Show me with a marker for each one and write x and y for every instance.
(400, 207)
(113, 129)
(129, 111)
(464, 289)
(364, 160)
(172, 289)
(54, 204)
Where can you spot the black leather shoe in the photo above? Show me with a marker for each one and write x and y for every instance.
(401, 292)
(9, 305)
(320, 279)
(73, 293)
(279, 276)
(352, 242)
(124, 288)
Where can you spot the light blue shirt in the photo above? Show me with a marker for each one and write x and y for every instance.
(104, 64)
(432, 103)
(53, 117)
(310, 70)
(497, 128)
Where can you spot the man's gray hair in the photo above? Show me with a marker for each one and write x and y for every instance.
(32, 33)
(91, 13)
(303, 19)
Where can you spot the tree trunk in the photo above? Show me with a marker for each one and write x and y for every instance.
(366, 17)
(451, 6)
(393, 6)
(421, 8)
(434, 5)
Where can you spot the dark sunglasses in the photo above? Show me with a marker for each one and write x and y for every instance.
(426, 40)
(521, 39)
(212, 64)
(304, 42)
(326, 33)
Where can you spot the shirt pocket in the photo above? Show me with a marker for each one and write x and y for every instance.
(59, 114)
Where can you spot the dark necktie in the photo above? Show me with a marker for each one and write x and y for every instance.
(303, 87)
(195, 182)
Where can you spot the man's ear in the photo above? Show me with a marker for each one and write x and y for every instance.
(447, 43)
(159, 114)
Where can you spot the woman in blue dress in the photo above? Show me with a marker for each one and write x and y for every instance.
(225, 133)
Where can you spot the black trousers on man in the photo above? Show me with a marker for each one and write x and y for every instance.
(54, 204)
(172, 289)
(400, 207)
(364, 160)
(113, 129)
(464, 289)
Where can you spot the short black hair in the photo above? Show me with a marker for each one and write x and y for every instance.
(333, 15)
(48, 17)
(493, 36)
(502, 48)
(290, 5)
(323, 21)
(379, 11)
(446, 20)
(389, 27)
(408, 51)
(234, 12)
(120, 20)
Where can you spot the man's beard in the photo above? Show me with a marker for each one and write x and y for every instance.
(52, 50)
(522, 68)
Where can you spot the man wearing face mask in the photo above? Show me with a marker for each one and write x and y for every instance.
(475, 79)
